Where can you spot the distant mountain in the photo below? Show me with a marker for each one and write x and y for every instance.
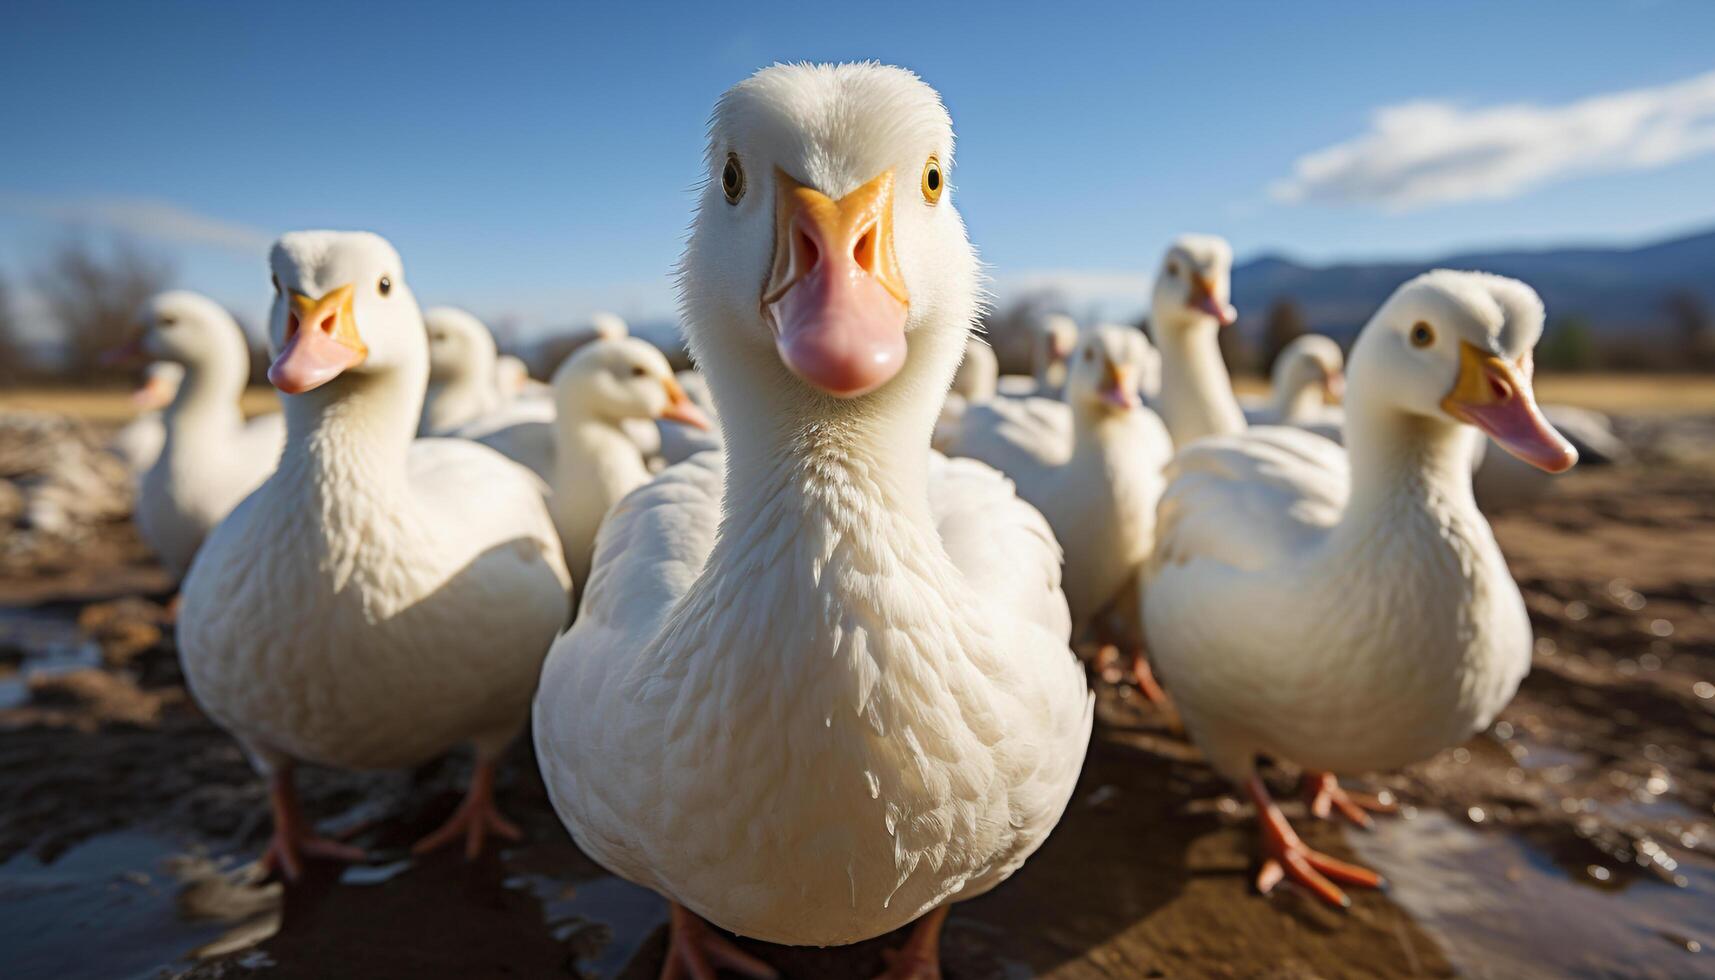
(1617, 290)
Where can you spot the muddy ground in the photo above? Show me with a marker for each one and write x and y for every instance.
(1576, 837)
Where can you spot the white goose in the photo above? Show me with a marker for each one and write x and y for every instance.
(378, 600)
(138, 442)
(680, 442)
(1355, 620)
(210, 457)
(568, 444)
(820, 684)
(974, 383)
(595, 461)
(1056, 335)
(1306, 385)
(1187, 311)
(462, 359)
(1097, 484)
(1052, 337)
(512, 380)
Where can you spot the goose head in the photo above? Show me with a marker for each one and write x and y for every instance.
(1056, 334)
(192, 331)
(827, 274)
(341, 308)
(1456, 347)
(461, 348)
(1311, 360)
(608, 326)
(978, 372)
(511, 375)
(161, 380)
(1105, 370)
(620, 379)
(1193, 285)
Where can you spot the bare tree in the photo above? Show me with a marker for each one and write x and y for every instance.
(1283, 324)
(1569, 344)
(1695, 326)
(14, 355)
(1239, 355)
(94, 295)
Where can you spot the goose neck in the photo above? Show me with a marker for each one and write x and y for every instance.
(1197, 397)
(357, 428)
(1401, 460)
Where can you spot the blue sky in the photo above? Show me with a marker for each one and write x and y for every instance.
(536, 161)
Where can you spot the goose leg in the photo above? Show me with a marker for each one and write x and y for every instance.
(1287, 856)
(1323, 794)
(475, 819)
(697, 951)
(294, 838)
(1144, 677)
(920, 957)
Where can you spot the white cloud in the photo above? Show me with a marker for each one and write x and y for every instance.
(1118, 294)
(1419, 154)
(143, 218)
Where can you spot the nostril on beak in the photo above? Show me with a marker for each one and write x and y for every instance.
(1500, 389)
(864, 250)
(291, 324)
(327, 324)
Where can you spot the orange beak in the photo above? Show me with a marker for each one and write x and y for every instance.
(1204, 300)
(835, 297)
(681, 409)
(1334, 387)
(155, 392)
(1059, 347)
(1496, 396)
(322, 341)
(1119, 388)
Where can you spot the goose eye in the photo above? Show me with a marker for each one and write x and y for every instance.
(1173, 269)
(166, 321)
(1422, 334)
(638, 372)
(385, 285)
(732, 179)
(933, 181)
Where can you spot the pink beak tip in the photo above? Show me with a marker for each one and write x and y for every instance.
(1120, 398)
(309, 360)
(843, 333)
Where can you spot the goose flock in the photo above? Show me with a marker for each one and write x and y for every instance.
(795, 631)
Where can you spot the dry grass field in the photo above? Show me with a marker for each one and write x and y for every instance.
(105, 405)
(1630, 393)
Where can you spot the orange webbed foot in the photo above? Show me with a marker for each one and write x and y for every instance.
(294, 839)
(1285, 856)
(476, 818)
(1323, 794)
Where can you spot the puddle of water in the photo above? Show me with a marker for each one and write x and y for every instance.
(115, 894)
(51, 643)
(1501, 908)
(605, 919)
